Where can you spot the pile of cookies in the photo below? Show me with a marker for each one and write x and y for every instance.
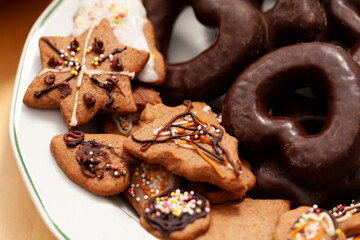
(287, 135)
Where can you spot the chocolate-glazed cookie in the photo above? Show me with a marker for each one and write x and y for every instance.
(320, 159)
(274, 181)
(244, 34)
(240, 40)
(344, 19)
(309, 111)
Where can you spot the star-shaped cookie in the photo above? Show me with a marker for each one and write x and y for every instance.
(86, 74)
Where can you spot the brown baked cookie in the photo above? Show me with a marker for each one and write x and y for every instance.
(129, 123)
(96, 162)
(144, 94)
(85, 74)
(131, 27)
(216, 195)
(246, 219)
(176, 214)
(348, 218)
(188, 141)
(308, 223)
(148, 180)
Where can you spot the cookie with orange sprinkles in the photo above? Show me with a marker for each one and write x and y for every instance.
(189, 141)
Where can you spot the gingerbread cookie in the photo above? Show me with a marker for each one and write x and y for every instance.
(216, 195)
(176, 214)
(96, 162)
(125, 124)
(308, 223)
(188, 141)
(86, 74)
(131, 27)
(348, 218)
(245, 219)
(149, 180)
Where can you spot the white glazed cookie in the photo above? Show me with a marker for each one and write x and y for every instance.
(131, 27)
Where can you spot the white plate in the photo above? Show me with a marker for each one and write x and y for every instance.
(68, 210)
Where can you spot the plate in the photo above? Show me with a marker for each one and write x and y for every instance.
(69, 211)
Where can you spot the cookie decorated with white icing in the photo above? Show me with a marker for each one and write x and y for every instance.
(86, 74)
(131, 27)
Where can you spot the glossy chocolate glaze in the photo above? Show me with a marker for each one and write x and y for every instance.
(345, 20)
(244, 34)
(208, 75)
(274, 181)
(310, 112)
(316, 160)
(344, 25)
(294, 21)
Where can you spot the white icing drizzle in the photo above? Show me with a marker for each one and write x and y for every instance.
(74, 121)
(98, 72)
(83, 67)
(45, 70)
(128, 28)
(117, 122)
(348, 214)
(207, 109)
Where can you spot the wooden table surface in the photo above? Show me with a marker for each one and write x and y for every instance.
(19, 218)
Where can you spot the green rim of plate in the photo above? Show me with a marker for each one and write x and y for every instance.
(40, 24)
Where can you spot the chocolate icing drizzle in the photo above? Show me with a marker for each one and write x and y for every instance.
(111, 83)
(38, 94)
(54, 48)
(90, 156)
(65, 88)
(168, 223)
(73, 138)
(215, 140)
(342, 210)
(116, 50)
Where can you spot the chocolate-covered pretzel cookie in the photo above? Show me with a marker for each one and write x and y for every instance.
(319, 159)
(244, 33)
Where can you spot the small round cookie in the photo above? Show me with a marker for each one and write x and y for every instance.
(307, 157)
(176, 214)
(308, 223)
(97, 162)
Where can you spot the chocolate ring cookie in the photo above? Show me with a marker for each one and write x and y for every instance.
(240, 39)
(244, 33)
(319, 159)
